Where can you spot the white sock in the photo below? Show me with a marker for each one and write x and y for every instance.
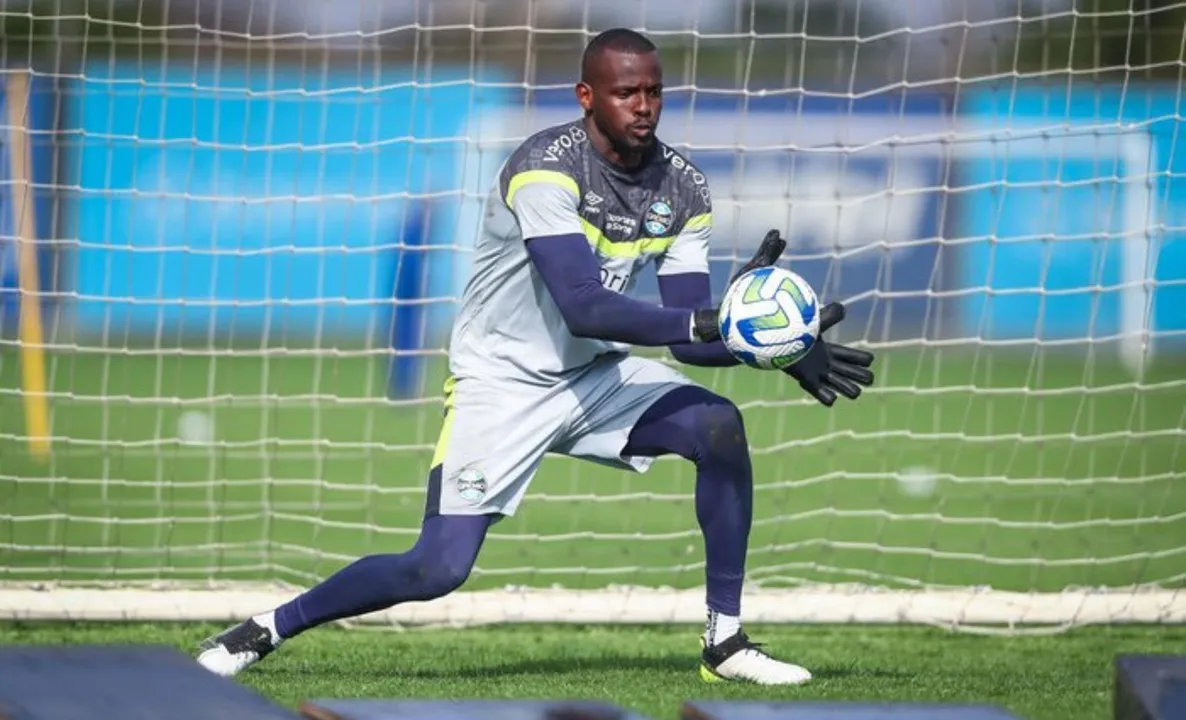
(268, 620)
(720, 627)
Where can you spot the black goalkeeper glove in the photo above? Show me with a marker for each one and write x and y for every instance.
(830, 368)
(705, 323)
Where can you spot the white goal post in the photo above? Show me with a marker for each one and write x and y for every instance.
(231, 243)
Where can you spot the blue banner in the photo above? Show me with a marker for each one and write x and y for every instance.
(1074, 210)
(263, 203)
(239, 204)
(268, 204)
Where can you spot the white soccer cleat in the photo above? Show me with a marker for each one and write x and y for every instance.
(236, 649)
(741, 660)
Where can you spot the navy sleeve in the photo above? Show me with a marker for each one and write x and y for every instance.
(573, 278)
(692, 290)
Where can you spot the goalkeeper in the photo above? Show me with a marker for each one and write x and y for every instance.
(539, 362)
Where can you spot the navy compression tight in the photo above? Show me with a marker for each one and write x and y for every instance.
(689, 421)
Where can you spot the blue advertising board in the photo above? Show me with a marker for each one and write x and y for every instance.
(1074, 210)
(39, 131)
(266, 204)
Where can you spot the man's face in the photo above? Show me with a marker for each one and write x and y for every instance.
(624, 95)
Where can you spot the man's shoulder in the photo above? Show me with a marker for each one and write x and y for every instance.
(689, 181)
(557, 148)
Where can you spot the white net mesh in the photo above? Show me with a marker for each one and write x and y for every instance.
(248, 224)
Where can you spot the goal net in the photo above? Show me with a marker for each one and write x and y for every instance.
(234, 234)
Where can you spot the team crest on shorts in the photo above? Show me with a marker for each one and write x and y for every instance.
(471, 485)
(659, 218)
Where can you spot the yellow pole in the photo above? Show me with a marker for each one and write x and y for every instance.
(31, 336)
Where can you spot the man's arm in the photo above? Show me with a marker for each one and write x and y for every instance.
(693, 291)
(684, 282)
(573, 278)
(545, 205)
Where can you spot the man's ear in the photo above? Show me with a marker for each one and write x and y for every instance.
(584, 95)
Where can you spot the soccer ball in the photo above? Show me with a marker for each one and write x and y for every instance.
(769, 318)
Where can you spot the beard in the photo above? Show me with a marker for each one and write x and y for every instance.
(624, 140)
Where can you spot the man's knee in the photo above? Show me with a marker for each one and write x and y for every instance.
(429, 576)
(692, 422)
(446, 551)
(721, 428)
(443, 575)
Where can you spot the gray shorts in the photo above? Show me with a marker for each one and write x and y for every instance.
(496, 432)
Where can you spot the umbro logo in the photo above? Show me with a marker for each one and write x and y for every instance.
(592, 200)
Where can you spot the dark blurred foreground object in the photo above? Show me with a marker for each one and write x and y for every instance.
(463, 710)
(1150, 687)
(724, 710)
(121, 682)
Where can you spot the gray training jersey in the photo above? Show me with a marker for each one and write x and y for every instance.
(555, 183)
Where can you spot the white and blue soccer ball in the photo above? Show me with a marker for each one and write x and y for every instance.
(769, 318)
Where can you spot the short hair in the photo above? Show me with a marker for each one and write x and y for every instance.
(621, 40)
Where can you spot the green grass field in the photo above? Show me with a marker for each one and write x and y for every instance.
(652, 669)
(1058, 471)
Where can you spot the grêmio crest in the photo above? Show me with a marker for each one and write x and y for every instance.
(658, 218)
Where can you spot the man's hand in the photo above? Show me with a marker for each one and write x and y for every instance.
(830, 368)
(704, 322)
(768, 253)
